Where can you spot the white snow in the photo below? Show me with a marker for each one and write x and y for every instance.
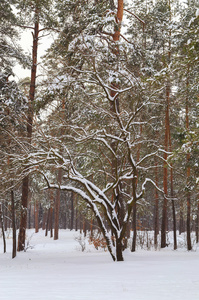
(53, 270)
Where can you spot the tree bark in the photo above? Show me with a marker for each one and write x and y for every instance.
(25, 182)
(3, 230)
(172, 196)
(134, 228)
(72, 211)
(156, 214)
(14, 234)
(189, 246)
(36, 216)
(57, 207)
(181, 223)
(165, 178)
(119, 250)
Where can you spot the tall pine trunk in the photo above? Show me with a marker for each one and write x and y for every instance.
(156, 214)
(189, 246)
(172, 200)
(133, 248)
(115, 109)
(25, 182)
(57, 207)
(14, 234)
(2, 228)
(165, 173)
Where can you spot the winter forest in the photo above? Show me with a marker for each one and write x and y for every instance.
(102, 137)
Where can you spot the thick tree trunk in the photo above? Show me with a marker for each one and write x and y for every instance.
(119, 250)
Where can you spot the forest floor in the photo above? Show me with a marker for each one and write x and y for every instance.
(53, 270)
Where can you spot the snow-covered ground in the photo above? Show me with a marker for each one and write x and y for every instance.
(53, 270)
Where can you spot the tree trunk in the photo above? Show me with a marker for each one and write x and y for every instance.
(189, 246)
(76, 214)
(156, 217)
(165, 178)
(72, 211)
(36, 216)
(23, 219)
(3, 230)
(119, 250)
(51, 222)
(44, 218)
(174, 225)
(14, 234)
(5, 213)
(134, 228)
(181, 223)
(25, 182)
(172, 196)
(47, 222)
(57, 207)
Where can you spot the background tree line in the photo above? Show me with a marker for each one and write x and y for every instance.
(109, 138)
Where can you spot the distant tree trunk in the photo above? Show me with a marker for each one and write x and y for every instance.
(36, 216)
(189, 246)
(166, 145)
(76, 214)
(44, 218)
(72, 211)
(172, 196)
(134, 227)
(91, 227)
(47, 222)
(181, 223)
(14, 234)
(3, 230)
(5, 213)
(57, 207)
(51, 222)
(156, 215)
(174, 225)
(25, 182)
(197, 222)
(165, 175)
(29, 217)
(84, 226)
